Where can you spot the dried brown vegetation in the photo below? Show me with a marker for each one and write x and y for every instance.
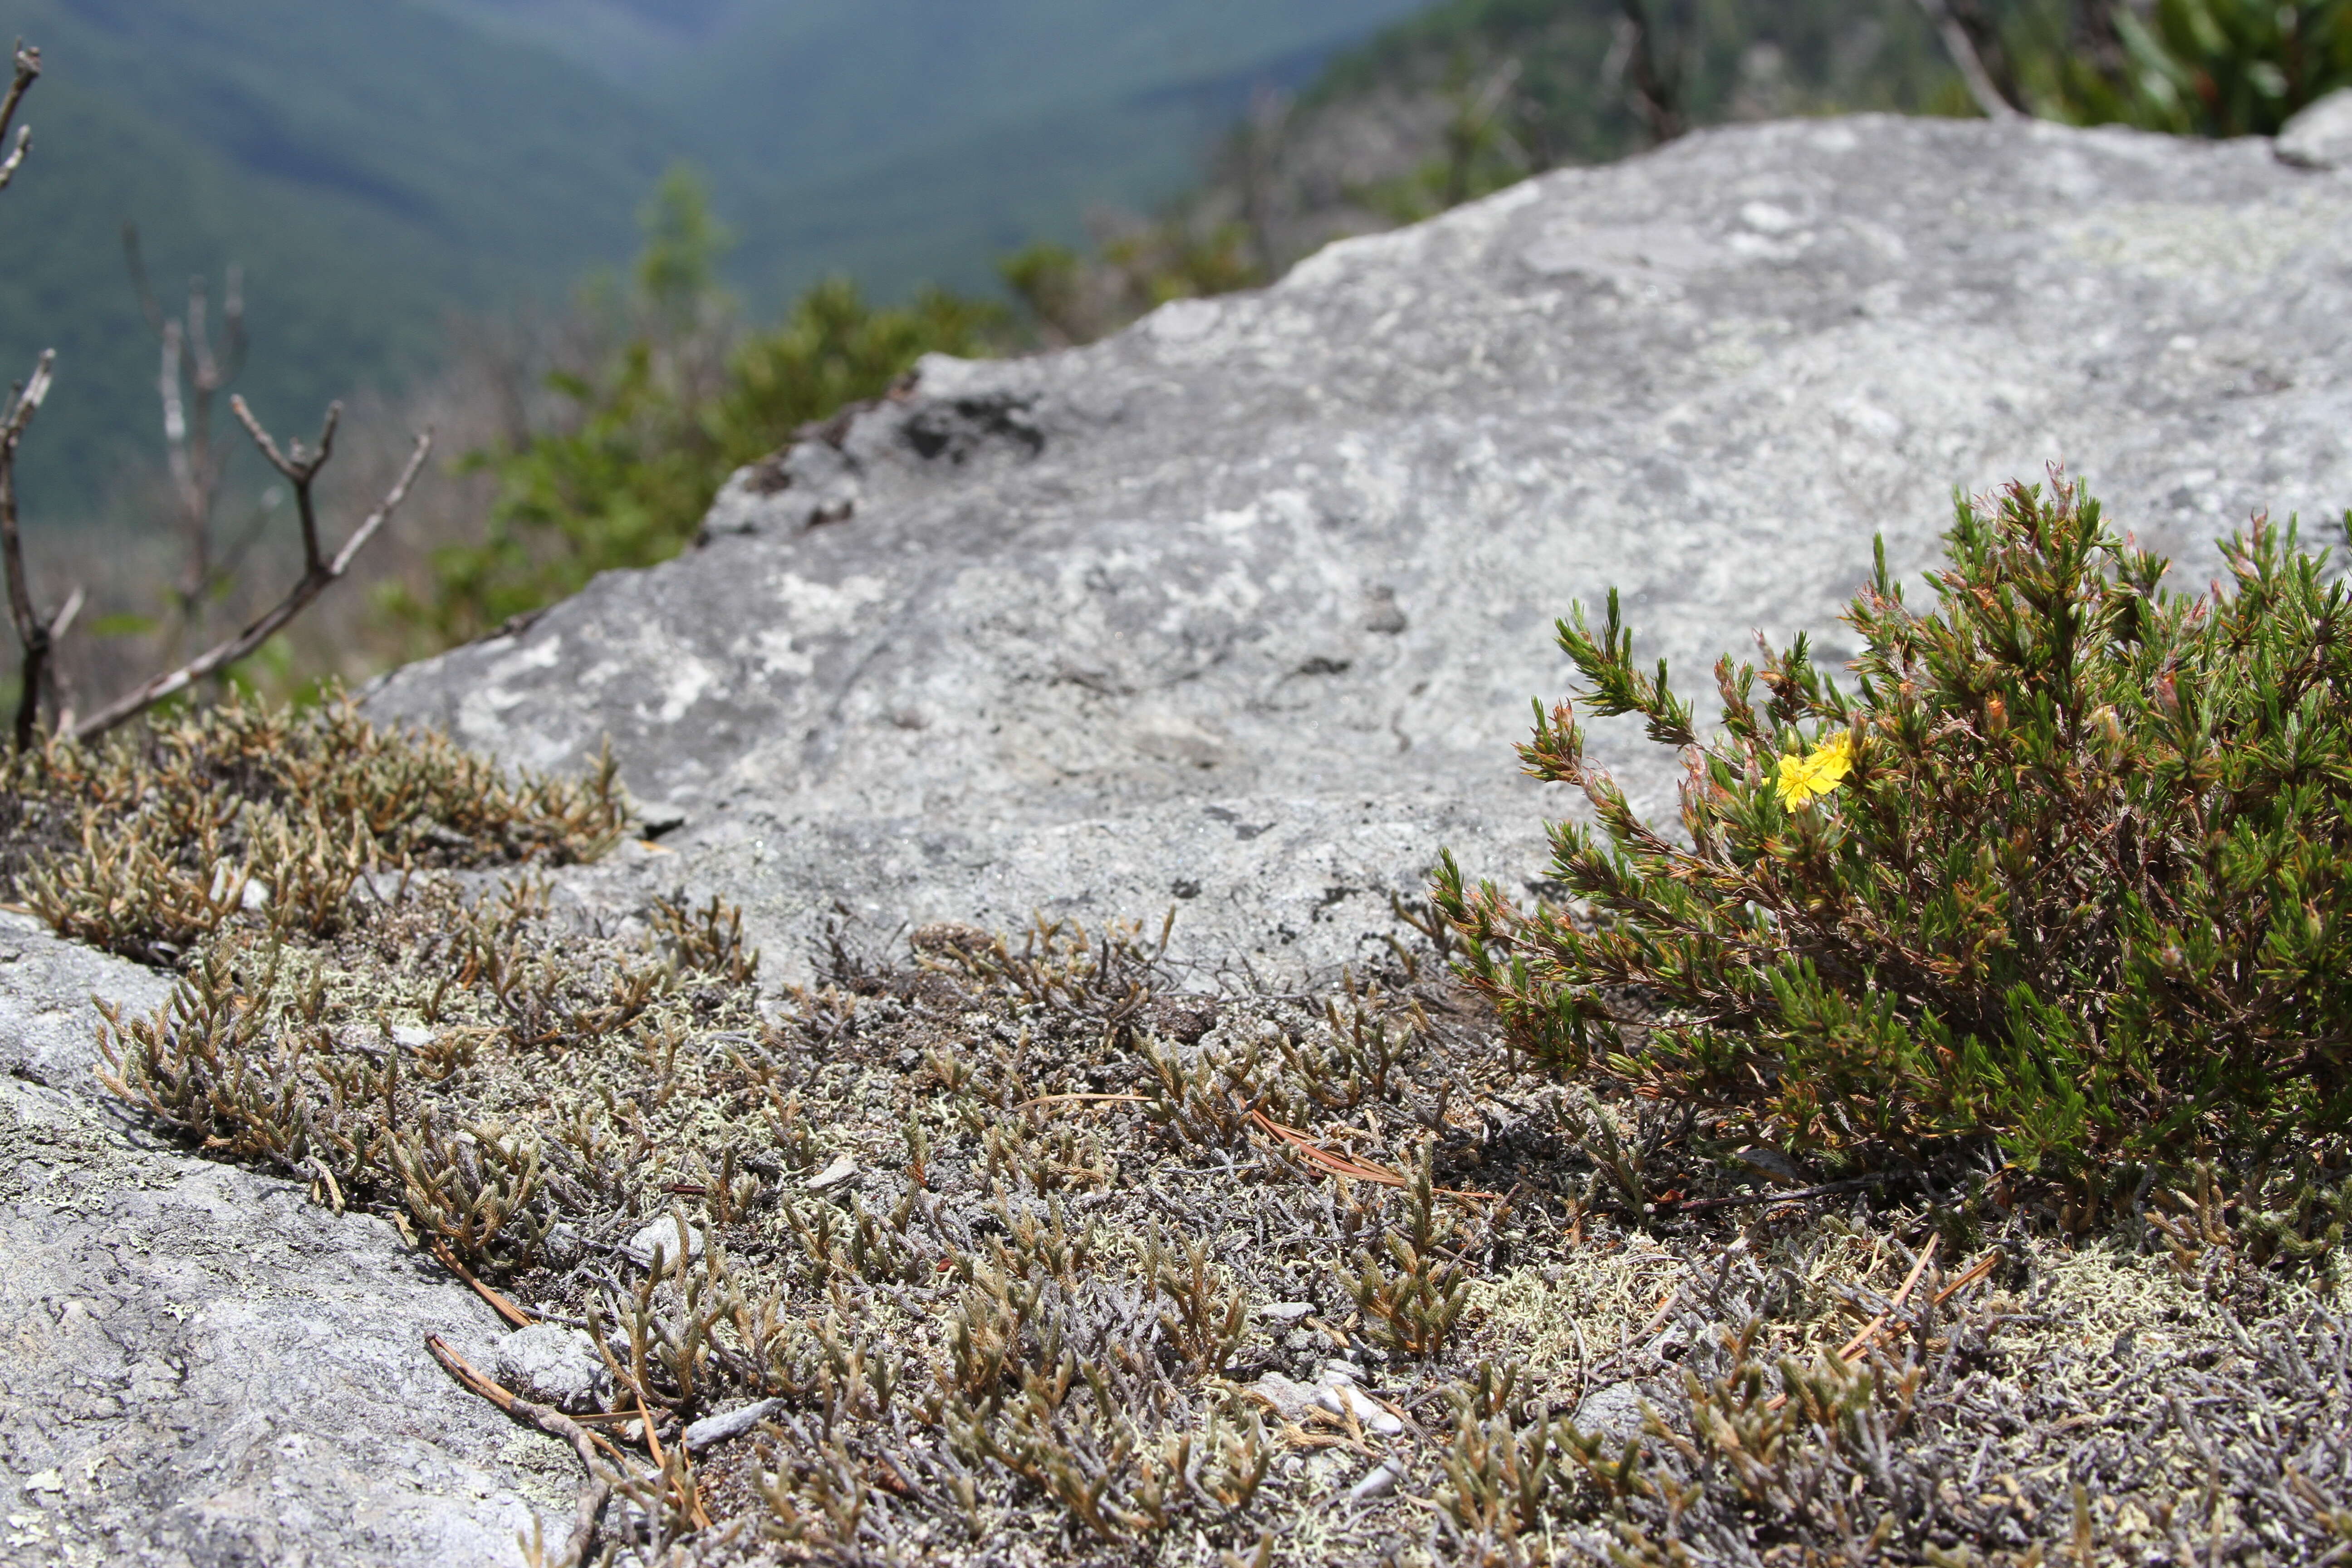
(145, 846)
(1041, 1259)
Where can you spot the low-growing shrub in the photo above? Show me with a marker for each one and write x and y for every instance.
(2064, 873)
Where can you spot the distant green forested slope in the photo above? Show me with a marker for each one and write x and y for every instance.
(907, 140)
(372, 166)
(376, 165)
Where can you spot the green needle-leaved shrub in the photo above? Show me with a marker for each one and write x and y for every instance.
(2064, 874)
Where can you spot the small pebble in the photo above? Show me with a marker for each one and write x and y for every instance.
(729, 1423)
(1381, 1481)
(833, 1175)
(662, 1233)
(1290, 1399)
(1614, 1412)
(1343, 1398)
(550, 1364)
(1286, 1311)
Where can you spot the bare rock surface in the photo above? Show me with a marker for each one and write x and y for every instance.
(1240, 610)
(200, 1365)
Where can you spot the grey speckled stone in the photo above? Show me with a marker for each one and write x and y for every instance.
(1615, 1411)
(554, 1365)
(2320, 134)
(198, 1365)
(1240, 610)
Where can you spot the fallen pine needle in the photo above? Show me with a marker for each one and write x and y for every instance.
(1854, 1347)
(498, 1304)
(1348, 1166)
(1858, 1346)
(594, 1492)
(1977, 1270)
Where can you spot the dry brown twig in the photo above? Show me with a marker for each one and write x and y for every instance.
(300, 467)
(595, 1493)
(1859, 1346)
(1348, 1166)
(497, 1303)
(29, 67)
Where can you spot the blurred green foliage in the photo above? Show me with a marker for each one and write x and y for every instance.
(1530, 82)
(1563, 99)
(683, 398)
(1069, 298)
(2193, 68)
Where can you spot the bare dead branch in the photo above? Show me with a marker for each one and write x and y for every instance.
(1968, 61)
(193, 475)
(60, 686)
(594, 1492)
(298, 467)
(28, 70)
(195, 368)
(62, 622)
(136, 260)
(200, 346)
(1657, 92)
(319, 573)
(175, 412)
(33, 634)
(233, 339)
(377, 519)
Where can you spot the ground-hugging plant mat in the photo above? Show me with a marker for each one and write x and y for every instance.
(1007, 1251)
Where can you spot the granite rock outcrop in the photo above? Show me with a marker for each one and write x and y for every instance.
(1240, 610)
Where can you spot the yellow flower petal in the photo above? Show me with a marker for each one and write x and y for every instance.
(1801, 780)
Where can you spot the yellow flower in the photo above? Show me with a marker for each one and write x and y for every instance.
(1807, 778)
